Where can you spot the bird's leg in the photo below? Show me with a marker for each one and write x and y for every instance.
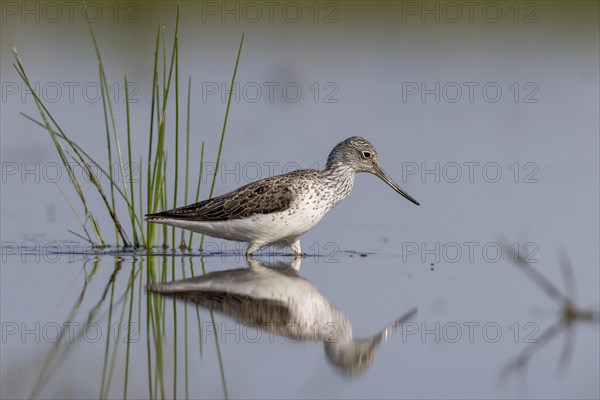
(297, 249)
(252, 248)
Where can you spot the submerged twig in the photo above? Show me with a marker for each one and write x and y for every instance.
(570, 314)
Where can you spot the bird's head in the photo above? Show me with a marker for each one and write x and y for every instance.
(360, 155)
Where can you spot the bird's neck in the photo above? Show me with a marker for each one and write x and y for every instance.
(341, 179)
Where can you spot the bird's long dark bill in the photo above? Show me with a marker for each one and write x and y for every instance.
(385, 177)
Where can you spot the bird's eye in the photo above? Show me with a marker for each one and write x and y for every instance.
(366, 154)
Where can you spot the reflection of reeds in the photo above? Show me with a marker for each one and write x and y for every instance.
(165, 74)
(54, 356)
(570, 314)
(156, 334)
(115, 308)
(62, 345)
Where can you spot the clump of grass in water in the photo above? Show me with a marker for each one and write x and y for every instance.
(71, 153)
(127, 195)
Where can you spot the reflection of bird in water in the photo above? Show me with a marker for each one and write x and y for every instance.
(276, 299)
(569, 316)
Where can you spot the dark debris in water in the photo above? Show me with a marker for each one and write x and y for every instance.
(353, 253)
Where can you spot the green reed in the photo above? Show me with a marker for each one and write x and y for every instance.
(121, 197)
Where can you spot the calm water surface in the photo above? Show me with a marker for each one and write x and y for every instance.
(522, 166)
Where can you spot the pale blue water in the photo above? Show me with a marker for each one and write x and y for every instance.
(523, 165)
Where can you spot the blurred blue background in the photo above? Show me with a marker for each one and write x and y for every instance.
(486, 114)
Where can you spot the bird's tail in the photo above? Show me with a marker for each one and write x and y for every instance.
(156, 217)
